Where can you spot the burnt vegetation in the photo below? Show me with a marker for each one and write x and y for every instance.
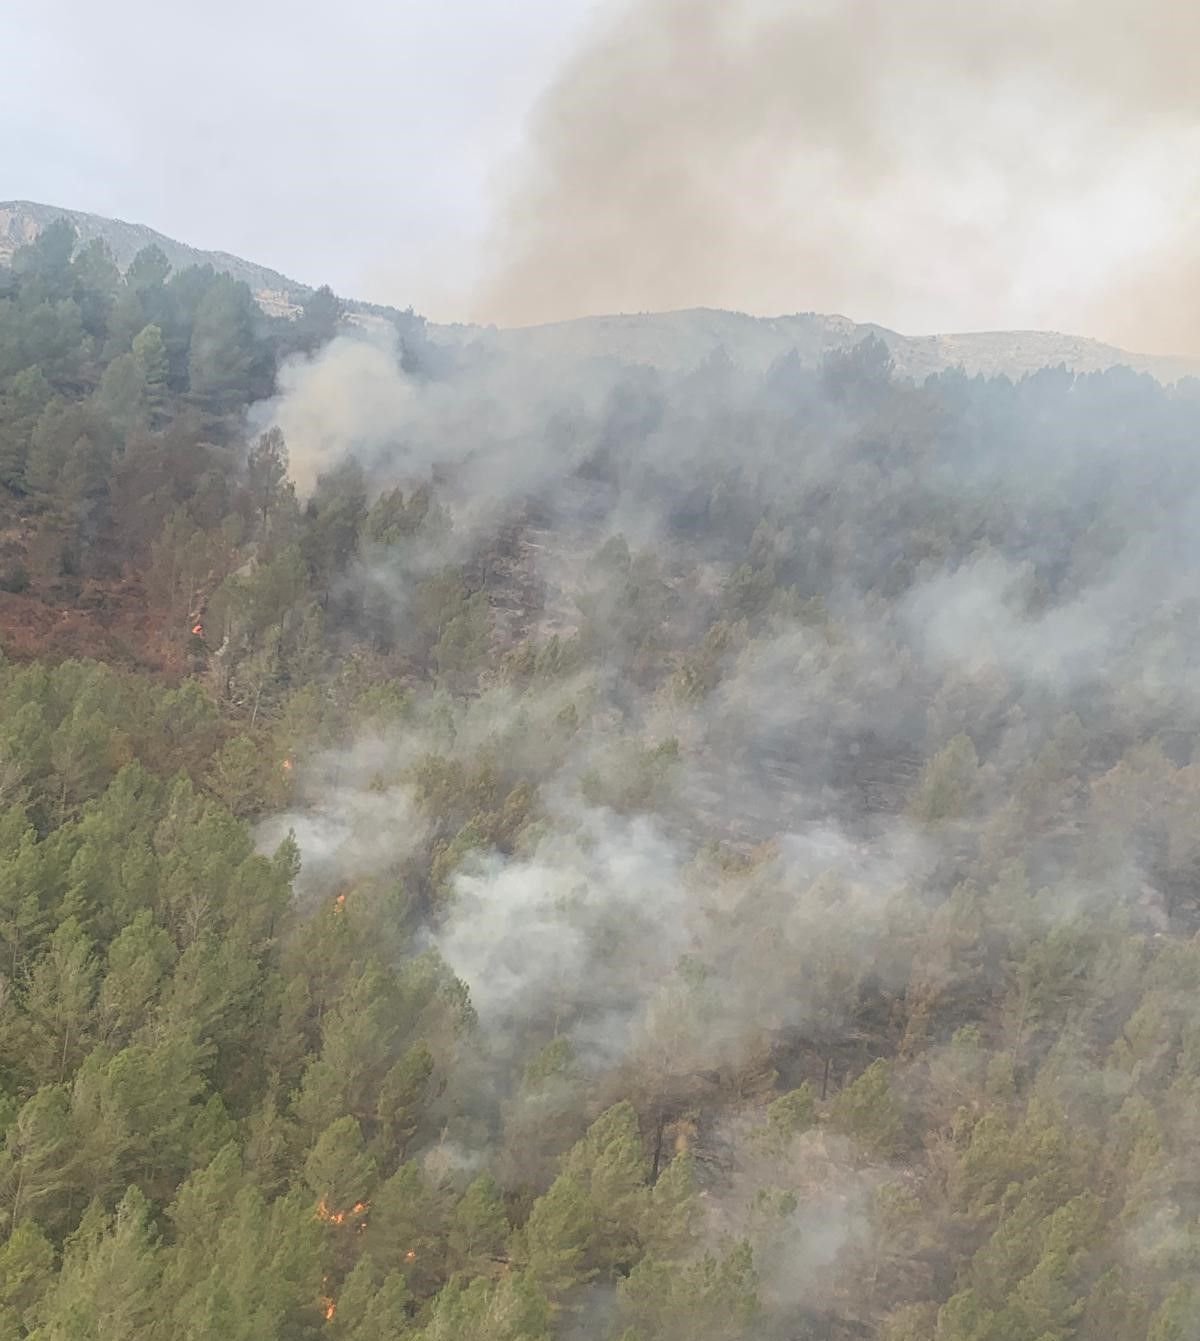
(616, 854)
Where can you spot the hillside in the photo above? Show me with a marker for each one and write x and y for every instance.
(671, 341)
(503, 850)
(22, 220)
(680, 340)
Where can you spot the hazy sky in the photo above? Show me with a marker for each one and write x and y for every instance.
(356, 143)
(928, 164)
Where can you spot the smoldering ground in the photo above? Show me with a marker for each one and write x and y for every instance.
(1054, 610)
(914, 586)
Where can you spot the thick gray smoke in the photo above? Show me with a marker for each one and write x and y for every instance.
(487, 425)
(358, 830)
(577, 933)
(708, 803)
(348, 399)
(928, 165)
(779, 753)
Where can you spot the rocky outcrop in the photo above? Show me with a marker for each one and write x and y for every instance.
(22, 220)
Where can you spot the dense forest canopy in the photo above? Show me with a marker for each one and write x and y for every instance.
(522, 849)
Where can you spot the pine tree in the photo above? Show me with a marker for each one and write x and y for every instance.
(949, 784)
(357, 1051)
(266, 476)
(479, 1226)
(555, 1241)
(23, 920)
(148, 270)
(610, 1165)
(402, 1096)
(788, 1116)
(338, 1170)
(106, 1290)
(716, 1298)
(406, 1229)
(1111, 1310)
(122, 396)
(26, 1273)
(511, 1310)
(867, 1111)
(964, 1318)
(1176, 1319)
(150, 353)
(138, 962)
(222, 357)
(236, 775)
(320, 315)
(671, 1218)
(21, 406)
(240, 1269)
(97, 281)
(44, 265)
(125, 319)
(141, 1115)
(370, 1305)
(59, 1003)
(35, 1160)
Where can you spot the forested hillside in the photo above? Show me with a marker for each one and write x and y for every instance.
(502, 847)
(21, 221)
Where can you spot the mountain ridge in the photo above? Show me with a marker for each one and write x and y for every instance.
(684, 338)
(22, 220)
(669, 340)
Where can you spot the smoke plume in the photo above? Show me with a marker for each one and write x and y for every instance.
(930, 165)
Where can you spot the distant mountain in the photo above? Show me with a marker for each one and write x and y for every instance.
(684, 339)
(669, 340)
(22, 220)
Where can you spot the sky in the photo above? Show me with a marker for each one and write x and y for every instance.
(358, 143)
(931, 165)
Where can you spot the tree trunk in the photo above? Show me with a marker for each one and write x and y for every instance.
(658, 1146)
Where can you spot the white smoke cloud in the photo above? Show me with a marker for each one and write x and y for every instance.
(575, 933)
(350, 398)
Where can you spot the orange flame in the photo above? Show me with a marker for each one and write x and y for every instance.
(287, 765)
(409, 1256)
(198, 628)
(339, 903)
(332, 1217)
(328, 1305)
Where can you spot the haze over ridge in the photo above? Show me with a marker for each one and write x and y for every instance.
(928, 165)
(931, 166)
(667, 339)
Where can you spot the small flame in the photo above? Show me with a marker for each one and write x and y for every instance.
(339, 903)
(409, 1256)
(332, 1217)
(287, 765)
(328, 1305)
(197, 629)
